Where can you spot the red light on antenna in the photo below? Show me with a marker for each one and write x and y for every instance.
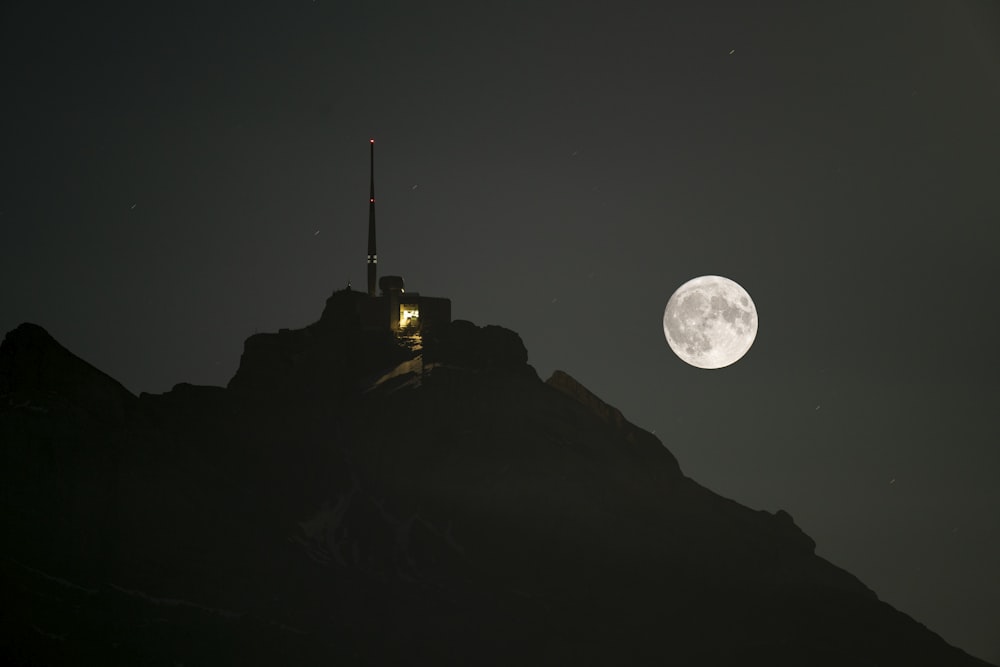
(372, 140)
(372, 200)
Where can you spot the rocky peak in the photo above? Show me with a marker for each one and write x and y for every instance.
(35, 370)
(475, 515)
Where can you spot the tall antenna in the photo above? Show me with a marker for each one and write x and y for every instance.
(372, 253)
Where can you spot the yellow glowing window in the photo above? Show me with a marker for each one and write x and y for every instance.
(408, 315)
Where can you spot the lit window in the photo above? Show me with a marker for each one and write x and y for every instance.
(409, 315)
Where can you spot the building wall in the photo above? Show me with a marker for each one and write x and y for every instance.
(382, 312)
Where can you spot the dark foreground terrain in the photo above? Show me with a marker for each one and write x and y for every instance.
(349, 501)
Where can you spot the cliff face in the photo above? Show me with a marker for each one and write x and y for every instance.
(346, 501)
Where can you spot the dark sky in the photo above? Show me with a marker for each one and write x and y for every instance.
(176, 178)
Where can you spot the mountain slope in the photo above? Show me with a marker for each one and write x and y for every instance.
(348, 500)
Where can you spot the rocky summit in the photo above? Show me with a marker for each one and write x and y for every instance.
(354, 498)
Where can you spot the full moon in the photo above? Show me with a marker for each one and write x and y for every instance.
(710, 322)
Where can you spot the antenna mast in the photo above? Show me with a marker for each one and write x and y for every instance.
(372, 253)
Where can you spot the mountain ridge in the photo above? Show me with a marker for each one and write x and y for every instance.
(349, 497)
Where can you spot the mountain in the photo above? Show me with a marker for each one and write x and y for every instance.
(356, 498)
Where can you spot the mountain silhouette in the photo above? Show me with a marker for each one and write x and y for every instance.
(355, 498)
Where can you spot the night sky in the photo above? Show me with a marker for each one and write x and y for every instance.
(176, 179)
